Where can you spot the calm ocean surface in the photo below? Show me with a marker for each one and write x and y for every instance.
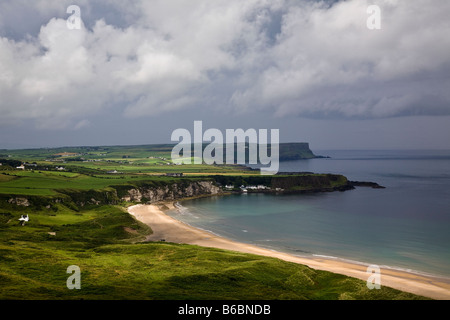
(405, 226)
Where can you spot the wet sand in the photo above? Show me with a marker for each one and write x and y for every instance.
(172, 230)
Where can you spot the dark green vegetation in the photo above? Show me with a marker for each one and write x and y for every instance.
(77, 217)
(298, 183)
(105, 243)
(295, 151)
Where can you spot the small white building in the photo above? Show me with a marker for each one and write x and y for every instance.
(24, 219)
(22, 167)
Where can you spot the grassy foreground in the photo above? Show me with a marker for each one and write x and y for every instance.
(106, 243)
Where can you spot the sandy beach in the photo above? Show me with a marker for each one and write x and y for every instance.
(172, 230)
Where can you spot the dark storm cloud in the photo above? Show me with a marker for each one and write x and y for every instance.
(146, 58)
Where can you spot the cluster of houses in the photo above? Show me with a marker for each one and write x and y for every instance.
(249, 187)
(59, 157)
(252, 188)
(33, 165)
(23, 166)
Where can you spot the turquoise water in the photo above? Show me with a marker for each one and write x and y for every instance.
(405, 226)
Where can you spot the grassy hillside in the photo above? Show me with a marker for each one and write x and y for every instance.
(44, 183)
(105, 243)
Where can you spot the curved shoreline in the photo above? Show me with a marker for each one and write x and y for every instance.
(172, 230)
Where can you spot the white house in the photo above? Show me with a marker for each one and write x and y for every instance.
(24, 219)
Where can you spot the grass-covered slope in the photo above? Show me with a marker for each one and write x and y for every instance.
(106, 243)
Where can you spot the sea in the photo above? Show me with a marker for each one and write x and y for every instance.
(405, 226)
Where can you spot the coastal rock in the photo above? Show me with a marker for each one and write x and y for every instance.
(171, 192)
(20, 202)
(373, 185)
(93, 201)
(133, 195)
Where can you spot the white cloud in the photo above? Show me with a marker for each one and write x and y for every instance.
(293, 58)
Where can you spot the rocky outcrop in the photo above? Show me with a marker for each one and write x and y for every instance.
(171, 192)
(23, 202)
(373, 185)
(143, 193)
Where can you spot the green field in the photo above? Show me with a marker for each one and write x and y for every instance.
(48, 182)
(108, 244)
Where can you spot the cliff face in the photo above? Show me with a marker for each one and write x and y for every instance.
(171, 192)
(295, 151)
(312, 183)
(77, 199)
(150, 192)
(144, 193)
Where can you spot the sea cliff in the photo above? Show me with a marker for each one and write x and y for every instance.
(175, 189)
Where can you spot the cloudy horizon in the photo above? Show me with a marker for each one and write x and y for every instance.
(135, 71)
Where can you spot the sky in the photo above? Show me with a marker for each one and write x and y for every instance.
(131, 72)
